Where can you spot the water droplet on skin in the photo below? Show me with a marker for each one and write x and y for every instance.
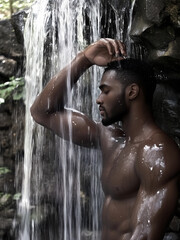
(73, 122)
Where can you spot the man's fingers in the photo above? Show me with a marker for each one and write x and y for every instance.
(122, 48)
(108, 45)
(115, 47)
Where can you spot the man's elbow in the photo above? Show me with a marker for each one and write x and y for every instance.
(35, 114)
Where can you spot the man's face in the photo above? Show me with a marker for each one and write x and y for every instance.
(111, 101)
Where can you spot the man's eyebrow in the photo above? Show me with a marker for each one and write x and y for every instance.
(102, 86)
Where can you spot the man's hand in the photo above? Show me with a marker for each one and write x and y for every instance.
(104, 51)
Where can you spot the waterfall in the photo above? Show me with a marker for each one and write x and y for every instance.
(34, 74)
(61, 192)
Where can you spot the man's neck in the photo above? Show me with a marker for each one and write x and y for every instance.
(138, 124)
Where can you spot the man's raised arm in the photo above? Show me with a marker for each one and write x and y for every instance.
(48, 108)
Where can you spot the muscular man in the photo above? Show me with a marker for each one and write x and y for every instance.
(141, 163)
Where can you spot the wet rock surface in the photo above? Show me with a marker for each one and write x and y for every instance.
(11, 129)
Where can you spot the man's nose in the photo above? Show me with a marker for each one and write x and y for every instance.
(99, 100)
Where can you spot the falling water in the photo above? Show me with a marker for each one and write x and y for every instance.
(129, 42)
(55, 31)
(34, 74)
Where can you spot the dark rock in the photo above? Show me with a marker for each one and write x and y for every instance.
(156, 25)
(166, 109)
(5, 120)
(172, 11)
(18, 22)
(7, 154)
(175, 224)
(3, 79)
(171, 236)
(6, 107)
(154, 10)
(5, 223)
(159, 38)
(140, 23)
(7, 66)
(4, 140)
(1, 161)
(9, 47)
(8, 213)
(7, 183)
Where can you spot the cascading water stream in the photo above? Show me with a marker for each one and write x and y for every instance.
(34, 74)
(55, 31)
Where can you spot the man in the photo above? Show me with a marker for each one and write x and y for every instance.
(141, 163)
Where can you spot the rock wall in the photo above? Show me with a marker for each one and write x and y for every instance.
(155, 26)
(11, 129)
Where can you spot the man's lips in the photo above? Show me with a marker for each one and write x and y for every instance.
(102, 110)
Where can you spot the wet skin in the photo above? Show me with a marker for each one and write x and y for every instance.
(135, 172)
(134, 179)
(140, 164)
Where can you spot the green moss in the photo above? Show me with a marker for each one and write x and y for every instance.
(5, 200)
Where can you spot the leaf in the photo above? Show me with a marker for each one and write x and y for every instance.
(4, 170)
(17, 196)
(14, 88)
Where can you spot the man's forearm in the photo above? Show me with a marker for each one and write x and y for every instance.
(54, 95)
(52, 98)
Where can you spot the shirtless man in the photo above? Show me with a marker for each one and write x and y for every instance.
(141, 163)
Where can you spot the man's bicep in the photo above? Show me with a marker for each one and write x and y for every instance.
(154, 210)
(73, 126)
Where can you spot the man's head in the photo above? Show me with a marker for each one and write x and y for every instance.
(116, 78)
(135, 71)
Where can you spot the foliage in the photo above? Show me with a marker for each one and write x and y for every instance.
(14, 88)
(17, 196)
(8, 7)
(4, 170)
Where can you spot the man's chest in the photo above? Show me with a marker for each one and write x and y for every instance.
(119, 177)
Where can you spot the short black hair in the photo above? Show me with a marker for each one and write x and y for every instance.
(131, 70)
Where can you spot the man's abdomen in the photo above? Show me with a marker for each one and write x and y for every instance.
(116, 218)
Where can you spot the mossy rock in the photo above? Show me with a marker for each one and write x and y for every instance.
(5, 200)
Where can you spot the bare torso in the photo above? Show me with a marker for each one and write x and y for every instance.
(120, 183)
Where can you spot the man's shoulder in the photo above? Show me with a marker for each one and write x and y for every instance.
(159, 140)
(114, 130)
(164, 143)
(110, 136)
(159, 155)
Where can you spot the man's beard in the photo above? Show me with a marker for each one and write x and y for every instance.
(110, 120)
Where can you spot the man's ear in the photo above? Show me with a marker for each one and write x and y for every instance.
(133, 91)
